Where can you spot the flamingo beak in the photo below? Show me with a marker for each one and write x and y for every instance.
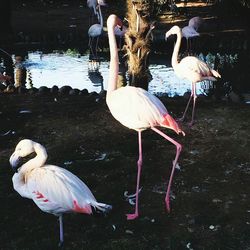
(15, 161)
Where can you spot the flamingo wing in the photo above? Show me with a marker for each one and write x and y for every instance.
(56, 190)
(136, 108)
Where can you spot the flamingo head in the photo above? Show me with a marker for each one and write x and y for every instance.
(114, 21)
(23, 148)
(173, 31)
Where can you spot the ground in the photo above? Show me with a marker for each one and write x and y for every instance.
(209, 200)
(209, 204)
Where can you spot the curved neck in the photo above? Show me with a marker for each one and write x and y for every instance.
(174, 60)
(38, 161)
(114, 61)
(100, 13)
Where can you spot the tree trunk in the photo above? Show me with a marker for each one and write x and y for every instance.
(138, 40)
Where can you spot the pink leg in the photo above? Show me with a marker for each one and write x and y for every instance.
(61, 230)
(139, 165)
(186, 109)
(178, 150)
(194, 102)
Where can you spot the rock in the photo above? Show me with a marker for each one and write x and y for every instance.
(64, 90)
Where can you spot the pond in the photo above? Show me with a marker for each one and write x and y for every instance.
(49, 69)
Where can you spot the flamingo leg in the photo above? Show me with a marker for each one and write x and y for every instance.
(139, 165)
(61, 230)
(194, 102)
(186, 109)
(178, 150)
(90, 45)
(96, 46)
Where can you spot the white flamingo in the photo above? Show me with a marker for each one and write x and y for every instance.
(137, 109)
(54, 190)
(190, 68)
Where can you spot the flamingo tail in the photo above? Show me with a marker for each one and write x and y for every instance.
(101, 207)
(215, 73)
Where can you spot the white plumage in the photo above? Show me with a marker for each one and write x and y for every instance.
(190, 68)
(54, 190)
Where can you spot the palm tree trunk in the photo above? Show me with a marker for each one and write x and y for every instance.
(138, 40)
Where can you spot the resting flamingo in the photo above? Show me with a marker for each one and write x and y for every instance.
(95, 30)
(190, 68)
(54, 190)
(137, 109)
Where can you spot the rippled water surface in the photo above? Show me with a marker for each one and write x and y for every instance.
(62, 69)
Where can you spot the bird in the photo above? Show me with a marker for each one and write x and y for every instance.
(190, 68)
(191, 30)
(54, 189)
(120, 32)
(96, 29)
(137, 109)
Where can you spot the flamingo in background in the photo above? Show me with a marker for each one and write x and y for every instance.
(120, 32)
(191, 30)
(96, 29)
(137, 109)
(190, 68)
(53, 189)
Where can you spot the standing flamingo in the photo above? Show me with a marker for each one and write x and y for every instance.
(54, 190)
(190, 68)
(96, 29)
(137, 109)
(191, 30)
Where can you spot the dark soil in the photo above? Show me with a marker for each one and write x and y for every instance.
(210, 207)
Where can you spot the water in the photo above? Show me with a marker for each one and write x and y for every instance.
(62, 69)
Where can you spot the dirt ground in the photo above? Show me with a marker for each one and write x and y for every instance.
(210, 206)
(210, 192)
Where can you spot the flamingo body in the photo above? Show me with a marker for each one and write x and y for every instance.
(95, 30)
(137, 109)
(53, 189)
(189, 31)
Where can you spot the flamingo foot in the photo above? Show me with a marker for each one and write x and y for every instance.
(181, 119)
(190, 124)
(60, 244)
(132, 216)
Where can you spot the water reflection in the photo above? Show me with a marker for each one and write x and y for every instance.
(78, 72)
(36, 69)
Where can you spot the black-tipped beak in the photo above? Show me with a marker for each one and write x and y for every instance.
(15, 162)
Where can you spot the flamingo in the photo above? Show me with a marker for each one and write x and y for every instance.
(53, 189)
(191, 30)
(137, 109)
(190, 68)
(96, 29)
(120, 32)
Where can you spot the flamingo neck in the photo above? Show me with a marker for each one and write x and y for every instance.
(100, 13)
(38, 161)
(174, 60)
(114, 61)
